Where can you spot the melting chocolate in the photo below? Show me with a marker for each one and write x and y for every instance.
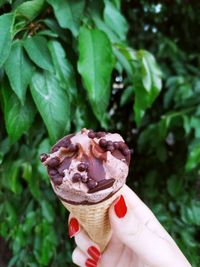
(64, 142)
(102, 185)
(64, 164)
(96, 170)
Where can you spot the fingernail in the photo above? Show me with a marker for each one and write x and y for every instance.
(120, 207)
(73, 227)
(94, 253)
(90, 263)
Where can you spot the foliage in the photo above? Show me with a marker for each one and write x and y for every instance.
(65, 65)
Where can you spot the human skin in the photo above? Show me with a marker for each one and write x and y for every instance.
(138, 239)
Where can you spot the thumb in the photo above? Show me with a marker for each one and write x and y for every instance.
(152, 249)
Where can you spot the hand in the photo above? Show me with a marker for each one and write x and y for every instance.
(138, 239)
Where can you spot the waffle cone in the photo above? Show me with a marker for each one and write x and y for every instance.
(94, 219)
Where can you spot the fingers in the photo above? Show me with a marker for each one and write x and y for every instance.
(131, 229)
(87, 252)
(78, 257)
(85, 244)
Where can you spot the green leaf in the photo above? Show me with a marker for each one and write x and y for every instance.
(52, 103)
(18, 61)
(6, 25)
(68, 13)
(115, 20)
(147, 83)
(151, 74)
(30, 9)
(18, 117)
(47, 211)
(174, 185)
(95, 66)
(127, 95)
(37, 49)
(63, 68)
(193, 159)
(191, 213)
(11, 176)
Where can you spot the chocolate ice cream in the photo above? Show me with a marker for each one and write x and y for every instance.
(87, 167)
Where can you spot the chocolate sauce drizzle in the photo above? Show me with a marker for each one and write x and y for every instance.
(90, 170)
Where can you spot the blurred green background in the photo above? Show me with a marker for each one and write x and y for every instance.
(128, 66)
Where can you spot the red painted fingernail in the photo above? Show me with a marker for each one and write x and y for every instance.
(94, 253)
(73, 227)
(90, 263)
(120, 207)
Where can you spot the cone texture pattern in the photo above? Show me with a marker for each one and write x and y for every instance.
(94, 219)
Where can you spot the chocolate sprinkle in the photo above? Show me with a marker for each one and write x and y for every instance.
(125, 151)
(76, 178)
(116, 145)
(53, 172)
(100, 134)
(57, 181)
(91, 134)
(82, 167)
(103, 143)
(53, 162)
(110, 148)
(73, 148)
(44, 157)
(109, 143)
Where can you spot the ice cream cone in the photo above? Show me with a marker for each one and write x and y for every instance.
(94, 219)
(87, 171)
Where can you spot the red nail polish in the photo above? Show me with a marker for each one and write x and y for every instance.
(73, 227)
(120, 207)
(90, 263)
(94, 253)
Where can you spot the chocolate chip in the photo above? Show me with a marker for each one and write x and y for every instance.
(91, 134)
(84, 179)
(125, 151)
(58, 181)
(109, 143)
(73, 148)
(76, 177)
(116, 145)
(110, 148)
(53, 162)
(53, 172)
(122, 145)
(43, 157)
(100, 134)
(91, 184)
(66, 143)
(103, 143)
(82, 167)
(55, 149)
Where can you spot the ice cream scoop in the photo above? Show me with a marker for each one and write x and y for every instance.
(87, 167)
